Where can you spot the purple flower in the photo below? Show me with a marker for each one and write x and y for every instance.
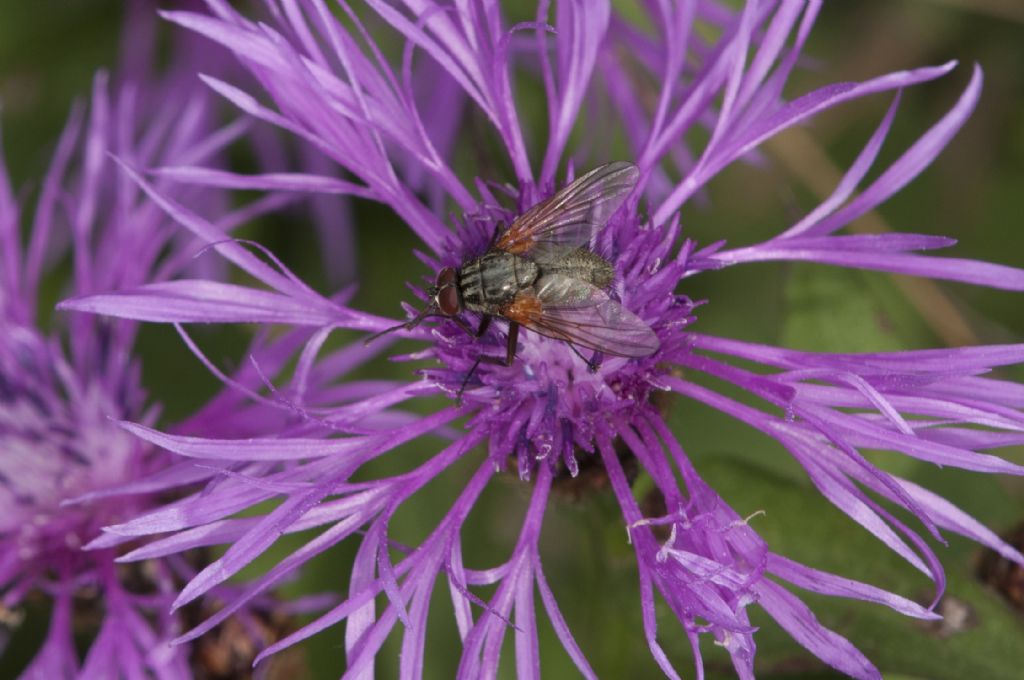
(65, 381)
(329, 84)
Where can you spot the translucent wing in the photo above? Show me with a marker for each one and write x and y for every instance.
(568, 309)
(569, 218)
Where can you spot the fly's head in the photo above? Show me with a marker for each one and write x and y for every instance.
(445, 293)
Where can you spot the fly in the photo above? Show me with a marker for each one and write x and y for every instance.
(540, 274)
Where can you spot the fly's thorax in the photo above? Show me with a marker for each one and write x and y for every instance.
(583, 265)
(494, 280)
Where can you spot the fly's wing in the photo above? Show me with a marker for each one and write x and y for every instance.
(568, 219)
(568, 309)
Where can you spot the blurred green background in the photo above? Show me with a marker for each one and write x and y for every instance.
(974, 192)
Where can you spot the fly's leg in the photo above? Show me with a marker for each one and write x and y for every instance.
(593, 363)
(408, 325)
(510, 354)
(510, 348)
(461, 323)
(465, 381)
(479, 332)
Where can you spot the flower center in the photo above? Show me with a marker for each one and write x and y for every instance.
(57, 444)
(560, 387)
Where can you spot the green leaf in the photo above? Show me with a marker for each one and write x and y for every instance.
(838, 310)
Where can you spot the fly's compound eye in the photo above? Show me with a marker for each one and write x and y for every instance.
(448, 300)
(445, 277)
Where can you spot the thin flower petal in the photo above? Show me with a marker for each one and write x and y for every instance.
(794, 616)
(201, 301)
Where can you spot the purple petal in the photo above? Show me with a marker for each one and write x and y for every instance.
(789, 115)
(797, 620)
(953, 518)
(851, 178)
(199, 301)
(580, 29)
(837, 586)
(211, 234)
(911, 163)
(364, 573)
(256, 448)
(561, 628)
(281, 181)
(946, 268)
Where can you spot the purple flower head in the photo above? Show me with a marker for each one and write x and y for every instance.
(330, 84)
(66, 381)
(553, 399)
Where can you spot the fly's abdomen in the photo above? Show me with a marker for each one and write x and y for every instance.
(494, 280)
(583, 265)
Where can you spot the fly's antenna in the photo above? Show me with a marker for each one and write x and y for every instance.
(408, 325)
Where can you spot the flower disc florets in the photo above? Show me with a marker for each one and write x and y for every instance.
(58, 443)
(550, 401)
